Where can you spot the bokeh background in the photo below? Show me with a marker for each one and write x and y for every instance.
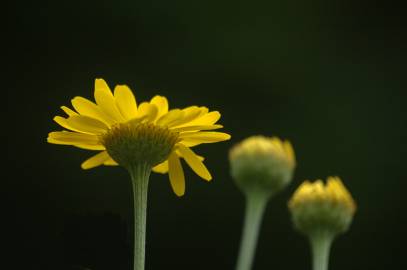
(328, 75)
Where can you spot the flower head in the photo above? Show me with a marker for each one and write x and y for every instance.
(127, 133)
(315, 206)
(262, 163)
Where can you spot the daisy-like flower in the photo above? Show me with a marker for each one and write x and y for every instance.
(140, 138)
(127, 133)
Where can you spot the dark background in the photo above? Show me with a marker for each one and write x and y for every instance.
(328, 75)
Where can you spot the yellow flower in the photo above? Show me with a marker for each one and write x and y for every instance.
(315, 205)
(262, 163)
(127, 133)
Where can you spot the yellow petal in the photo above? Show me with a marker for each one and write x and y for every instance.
(68, 111)
(319, 190)
(188, 115)
(86, 107)
(204, 110)
(194, 162)
(289, 151)
(87, 124)
(176, 174)
(161, 103)
(191, 143)
(195, 128)
(78, 126)
(126, 102)
(95, 161)
(105, 99)
(147, 111)
(64, 123)
(72, 138)
(91, 147)
(161, 168)
(204, 137)
(201, 158)
(110, 162)
(206, 119)
(209, 118)
(170, 117)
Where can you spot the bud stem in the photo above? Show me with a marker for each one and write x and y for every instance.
(140, 174)
(256, 203)
(320, 243)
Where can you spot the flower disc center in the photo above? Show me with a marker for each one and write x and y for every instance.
(130, 144)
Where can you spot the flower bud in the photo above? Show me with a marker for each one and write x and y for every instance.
(262, 164)
(318, 207)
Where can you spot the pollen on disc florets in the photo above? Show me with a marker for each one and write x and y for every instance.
(130, 143)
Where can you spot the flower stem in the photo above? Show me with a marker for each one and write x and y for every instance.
(320, 243)
(255, 206)
(140, 175)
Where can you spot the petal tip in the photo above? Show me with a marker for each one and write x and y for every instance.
(180, 193)
(57, 117)
(85, 166)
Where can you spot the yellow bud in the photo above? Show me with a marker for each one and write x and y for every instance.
(261, 163)
(315, 206)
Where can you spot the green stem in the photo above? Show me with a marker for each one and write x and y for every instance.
(321, 244)
(140, 175)
(255, 206)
